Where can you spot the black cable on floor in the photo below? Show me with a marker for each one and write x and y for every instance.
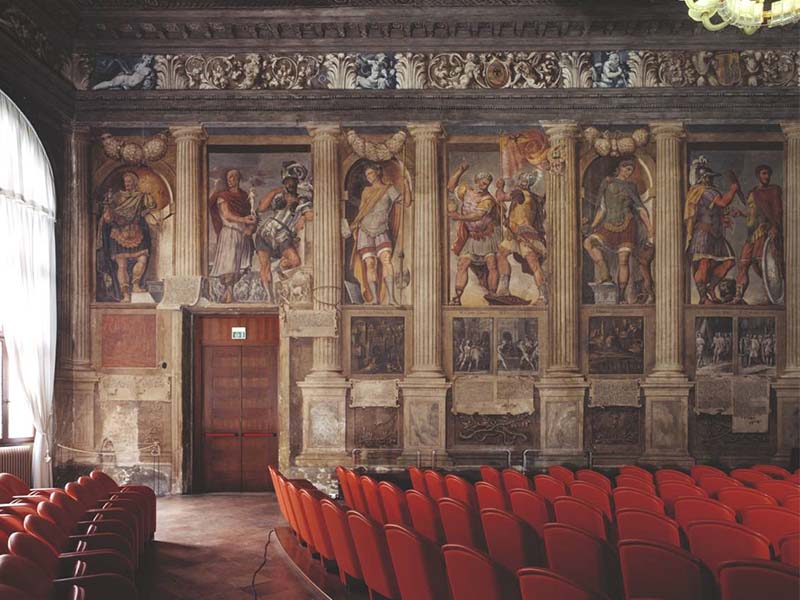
(261, 566)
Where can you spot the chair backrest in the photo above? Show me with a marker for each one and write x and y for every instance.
(36, 550)
(461, 524)
(780, 490)
(549, 487)
(667, 572)
(48, 532)
(287, 505)
(581, 514)
(310, 501)
(274, 475)
(773, 471)
(539, 584)
(636, 471)
(738, 498)
(669, 491)
(14, 484)
(531, 508)
(713, 484)
(56, 515)
(789, 549)
(417, 480)
(359, 500)
(773, 522)
(512, 544)
(299, 514)
(418, 564)
(698, 472)
(394, 504)
(471, 574)
(425, 517)
(373, 555)
(594, 477)
(663, 475)
(344, 485)
(563, 473)
(579, 556)
(490, 496)
(792, 503)
(688, 510)
(435, 484)
(374, 505)
(491, 475)
(749, 477)
(341, 539)
(747, 579)
(635, 524)
(460, 489)
(715, 542)
(515, 480)
(625, 497)
(594, 495)
(20, 573)
(637, 483)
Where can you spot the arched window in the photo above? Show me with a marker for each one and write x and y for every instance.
(28, 279)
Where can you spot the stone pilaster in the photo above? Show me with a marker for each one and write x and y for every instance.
(563, 388)
(666, 389)
(325, 388)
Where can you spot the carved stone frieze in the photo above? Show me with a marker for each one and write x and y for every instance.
(376, 428)
(505, 430)
(615, 426)
(30, 35)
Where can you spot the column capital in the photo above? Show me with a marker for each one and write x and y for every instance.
(791, 129)
(560, 130)
(324, 130)
(197, 132)
(421, 131)
(662, 129)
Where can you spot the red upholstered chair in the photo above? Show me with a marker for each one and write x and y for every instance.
(425, 517)
(472, 575)
(715, 542)
(748, 579)
(688, 510)
(789, 549)
(299, 515)
(669, 491)
(374, 505)
(394, 504)
(780, 490)
(792, 503)
(418, 480)
(738, 498)
(88, 494)
(21, 574)
(663, 475)
(581, 514)
(312, 509)
(142, 493)
(287, 505)
(580, 557)
(637, 483)
(637, 471)
(773, 522)
(563, 473)
(512, 544)
(461, 524)
(17, 487)
(549, 487)
(274, 475)
(625, 497)
(749, 477)
(490, 497)
(531, 508)
(460, 489)
(341, 539)
(594, 477)
(712, 485)
(773, 471)
(515, 480)
(541, 584)
(698, 472)
(650, 569)
(373, 556)
(359, 500)
(344, 485)
(418, 565)
(491, 475)
(435, 483)
(635, 524)
(594, 495)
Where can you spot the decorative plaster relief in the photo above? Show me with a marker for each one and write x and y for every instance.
(324, 427)
(492, 395)
(614, 392)
(561, 421)
(750, 405)
(374, 392)
(713, 396)
(666, 423)
(311, 323)
(423, 425)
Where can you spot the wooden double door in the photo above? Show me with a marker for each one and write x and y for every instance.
(236, 403)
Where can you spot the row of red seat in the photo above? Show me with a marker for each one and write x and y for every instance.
(83, 542)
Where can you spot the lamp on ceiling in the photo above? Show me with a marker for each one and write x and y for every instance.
(748, 15)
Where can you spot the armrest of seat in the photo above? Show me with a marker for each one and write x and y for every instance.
(98, 586)
(106, 526)
(99, 562)
(104, 541)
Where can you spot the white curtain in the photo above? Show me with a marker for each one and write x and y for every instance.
(28, 275)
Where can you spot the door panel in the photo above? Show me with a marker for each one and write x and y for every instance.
(222, 406)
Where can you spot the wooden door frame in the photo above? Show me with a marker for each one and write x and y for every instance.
(192, 396)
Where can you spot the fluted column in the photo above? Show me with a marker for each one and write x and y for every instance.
(427, 261)
(669, 254)
(188, 203)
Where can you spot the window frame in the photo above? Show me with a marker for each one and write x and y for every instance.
(5, 401)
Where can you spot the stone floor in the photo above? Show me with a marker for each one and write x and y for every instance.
(208, 546)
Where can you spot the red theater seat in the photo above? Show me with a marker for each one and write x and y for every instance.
(739, 498)
(460, 489)
(461, 524)
(493, 476)
(490, 497)
(581, 514)
(629, 481)
(715, 542)
(531, 508)
(635, 471)
(373, 556)
(594, 495)
(670, 491)
(514, 480)
(341, 539)
(664, 475)
(359, 500)
(635, 524)
(435, 483)
(789, 549)
(511, 542)
(773, 522)
(543, 584)
(299, 515)
(712, 485)
(594, 477)
(749, 477)
(425, 517)
(394, 504)
(344, 485)
(580, 557)
(698, 472)
(633, 498)
(310, 501)
(563, 473)
(773, 471)
(472, 575)
(653, 570)
(792, 503)
(418, 480)
(374, 505)
(142, 494)
(689, 510)
(418, 565)
(780, 490)
(549, 487)
(750, 579)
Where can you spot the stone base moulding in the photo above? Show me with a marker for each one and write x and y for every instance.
(561, 401)
(324, 422)
(424, 420)
(667, 422)
(787, 391)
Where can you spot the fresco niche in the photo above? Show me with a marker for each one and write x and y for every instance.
(259, 205)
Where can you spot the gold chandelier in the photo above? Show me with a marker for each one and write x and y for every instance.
(748, 15)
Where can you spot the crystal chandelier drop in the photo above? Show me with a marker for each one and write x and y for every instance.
(748, 15)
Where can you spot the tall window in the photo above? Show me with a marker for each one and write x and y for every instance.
(16, 420)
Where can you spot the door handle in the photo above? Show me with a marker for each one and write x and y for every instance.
(268, 434)
(234, 434)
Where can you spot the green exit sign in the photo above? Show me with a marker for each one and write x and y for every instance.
(238, 333)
